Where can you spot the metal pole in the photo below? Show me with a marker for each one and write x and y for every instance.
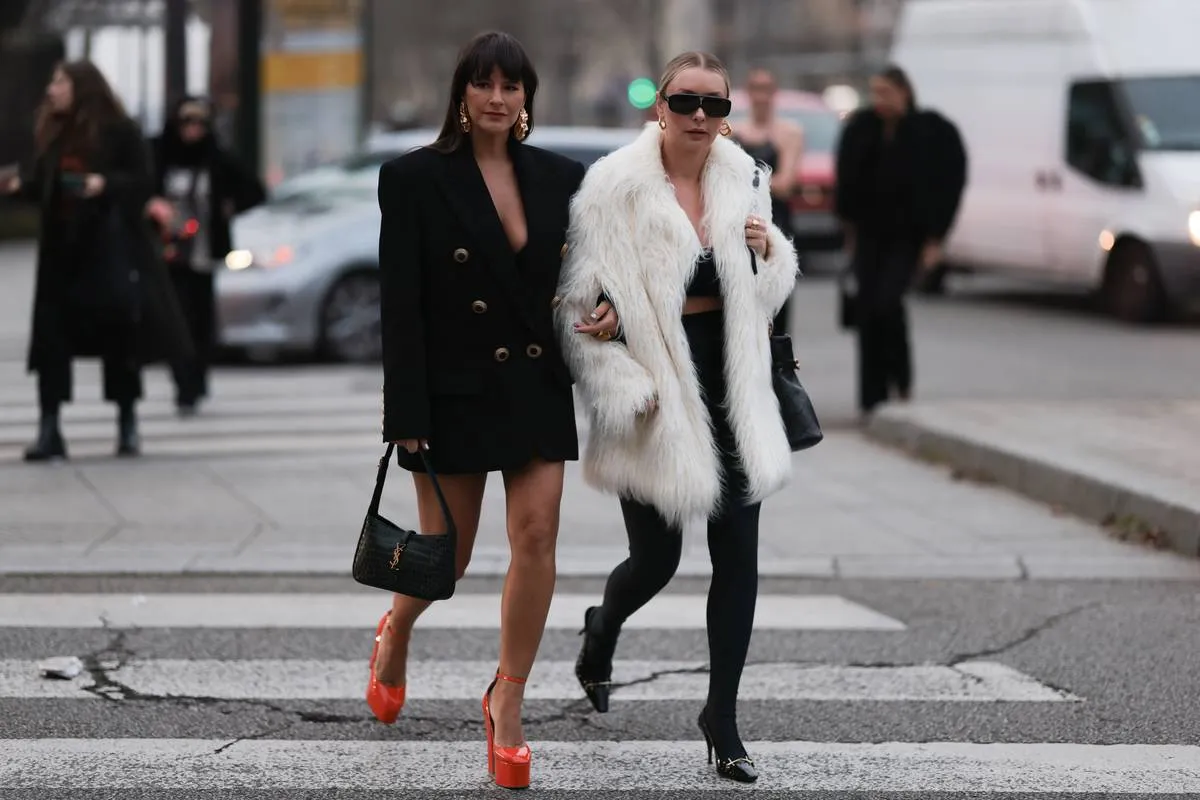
(367, 48)
(249, 110)
(175, 45)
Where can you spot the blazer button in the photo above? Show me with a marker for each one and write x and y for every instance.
(534, 351)
(461, 255)
(563, 252)
(501, 354)
(556, 302)
(479, 307)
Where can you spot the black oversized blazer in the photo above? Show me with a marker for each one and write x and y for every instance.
(466, 324)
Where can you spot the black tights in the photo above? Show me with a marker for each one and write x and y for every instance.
(654, 551)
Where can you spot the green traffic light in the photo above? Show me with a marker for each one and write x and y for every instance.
(642, 92)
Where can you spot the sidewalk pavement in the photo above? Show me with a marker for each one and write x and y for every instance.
(1133, 466)
(210, 498)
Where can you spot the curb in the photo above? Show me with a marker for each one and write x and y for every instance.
(1166, 523)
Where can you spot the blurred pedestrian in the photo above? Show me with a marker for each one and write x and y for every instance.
(779, 144)
(199, 188)
(900, 174)
(100, 290)
(685, 423)
(473, 235)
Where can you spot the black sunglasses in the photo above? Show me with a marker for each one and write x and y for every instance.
(687, 103)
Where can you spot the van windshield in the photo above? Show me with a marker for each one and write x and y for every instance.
(1166, 111)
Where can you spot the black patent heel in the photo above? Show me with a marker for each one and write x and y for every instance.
(593, 668)
(740, 769)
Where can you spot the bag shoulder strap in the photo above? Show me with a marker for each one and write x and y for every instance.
(381, 477)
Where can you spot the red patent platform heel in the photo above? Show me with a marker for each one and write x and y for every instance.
(509, 766)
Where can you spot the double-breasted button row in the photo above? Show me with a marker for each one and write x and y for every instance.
(479, 307)
(461, 255)
(502, 354)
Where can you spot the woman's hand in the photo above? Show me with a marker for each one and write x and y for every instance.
(602, 323)
(931, 255)
(756, 236)
(161, 211)
(93, 185)
(412, 445)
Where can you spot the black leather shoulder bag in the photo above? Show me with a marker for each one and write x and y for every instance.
(405, 562)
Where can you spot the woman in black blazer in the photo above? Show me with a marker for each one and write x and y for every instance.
(473, 235)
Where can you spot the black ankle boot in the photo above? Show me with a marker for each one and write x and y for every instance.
(49, 443)
(128, 441)
(732, 761)
(593, 668)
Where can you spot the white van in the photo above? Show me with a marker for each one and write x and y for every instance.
(1081, 120)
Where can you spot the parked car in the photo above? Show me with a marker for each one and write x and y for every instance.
(303, 278)
(1080, 119)
(813, 220)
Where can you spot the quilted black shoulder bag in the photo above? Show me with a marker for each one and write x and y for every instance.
(401, 561)
(799, 416)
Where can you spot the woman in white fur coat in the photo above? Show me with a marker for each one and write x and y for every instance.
(675, 231)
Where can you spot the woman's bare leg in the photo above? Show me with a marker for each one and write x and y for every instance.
(464, 495)
(533, 496)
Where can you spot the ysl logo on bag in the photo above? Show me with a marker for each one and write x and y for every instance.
(395, 562)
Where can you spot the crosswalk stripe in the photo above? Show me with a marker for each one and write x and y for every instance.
(212, 764)
(463, 611)
(276, 679)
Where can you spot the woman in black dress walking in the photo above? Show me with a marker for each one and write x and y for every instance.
(474, 233)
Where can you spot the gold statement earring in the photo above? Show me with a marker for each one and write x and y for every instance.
(726, 130)
(521, 129)
(464, 121)
(662, 123)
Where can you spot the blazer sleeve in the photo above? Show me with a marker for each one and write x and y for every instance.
(614, 385)
(406, 406)
(776, 277)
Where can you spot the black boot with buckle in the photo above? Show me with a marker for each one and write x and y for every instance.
(593, 668)
(720, 734)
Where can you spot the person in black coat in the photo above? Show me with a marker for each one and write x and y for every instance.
(901, 173)
(100, 290)
(199, 187)
(473, 236)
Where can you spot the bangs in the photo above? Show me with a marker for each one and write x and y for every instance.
(498, 52)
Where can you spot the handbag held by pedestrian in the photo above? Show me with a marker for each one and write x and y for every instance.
(795, 406)
(402, 561)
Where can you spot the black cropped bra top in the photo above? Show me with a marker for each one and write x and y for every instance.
(704, 281)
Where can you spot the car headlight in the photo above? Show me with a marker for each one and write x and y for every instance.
(280, 256)
(1194, 227)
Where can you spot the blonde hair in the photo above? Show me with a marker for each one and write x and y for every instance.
(691, 60)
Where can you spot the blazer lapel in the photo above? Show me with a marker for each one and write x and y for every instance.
(468, 195)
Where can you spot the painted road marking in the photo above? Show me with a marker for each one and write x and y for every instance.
(362, 610)
(223, 764)
(973, 682)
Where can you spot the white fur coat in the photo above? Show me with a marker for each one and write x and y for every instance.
(630, 238)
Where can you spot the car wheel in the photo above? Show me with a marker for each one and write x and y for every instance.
(1133, 290)
(350, 324)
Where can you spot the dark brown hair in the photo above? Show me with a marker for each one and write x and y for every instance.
(94, 105)
(899, 78)
(483, 54)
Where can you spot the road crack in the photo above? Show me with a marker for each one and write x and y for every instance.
(1028, 635)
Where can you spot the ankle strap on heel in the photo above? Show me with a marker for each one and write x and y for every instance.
(501, 676)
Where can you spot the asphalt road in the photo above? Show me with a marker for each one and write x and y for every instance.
(1089, 663)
